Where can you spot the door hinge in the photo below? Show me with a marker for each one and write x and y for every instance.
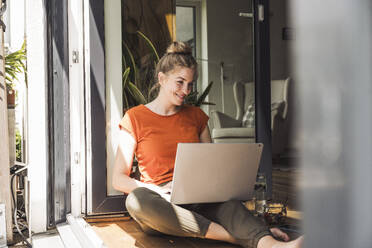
(77, 157)
(75, 57)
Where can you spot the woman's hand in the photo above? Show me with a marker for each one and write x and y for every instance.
(167, 188)
(165, 191)
(205, 136)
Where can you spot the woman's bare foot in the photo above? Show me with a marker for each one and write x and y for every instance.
(279, 234)
(270, 242)
(297, 243)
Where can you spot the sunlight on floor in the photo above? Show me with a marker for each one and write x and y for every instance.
(114, 236)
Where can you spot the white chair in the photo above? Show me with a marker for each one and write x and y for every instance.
(232, 130)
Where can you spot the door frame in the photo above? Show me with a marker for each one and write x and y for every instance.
(58, 169)
(98, 200)
(263, 87)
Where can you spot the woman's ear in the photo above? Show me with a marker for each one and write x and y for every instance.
(161, 77)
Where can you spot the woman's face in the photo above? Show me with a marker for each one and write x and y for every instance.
(177, 84)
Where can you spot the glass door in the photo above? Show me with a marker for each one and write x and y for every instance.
(126, 40)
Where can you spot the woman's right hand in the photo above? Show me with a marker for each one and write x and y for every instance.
(167, 188)
(165, 191)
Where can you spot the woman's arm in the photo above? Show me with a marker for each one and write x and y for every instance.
(123, 165)
(205, 136)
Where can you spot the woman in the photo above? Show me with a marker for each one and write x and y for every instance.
(152, 132)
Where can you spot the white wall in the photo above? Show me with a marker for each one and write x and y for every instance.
(15, 24)
(230, 40)
(37, 109)
(281, 67)
(279, 48)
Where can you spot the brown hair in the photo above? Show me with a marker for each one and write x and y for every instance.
(178, 54)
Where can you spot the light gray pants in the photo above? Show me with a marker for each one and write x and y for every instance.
(156, 215)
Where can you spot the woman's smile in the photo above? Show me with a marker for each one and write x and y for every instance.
(180, 97)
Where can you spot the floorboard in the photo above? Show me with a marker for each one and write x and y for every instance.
(127, 233)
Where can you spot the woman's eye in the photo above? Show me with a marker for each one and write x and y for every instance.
(180, 82)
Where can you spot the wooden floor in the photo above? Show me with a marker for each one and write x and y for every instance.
(127, 233)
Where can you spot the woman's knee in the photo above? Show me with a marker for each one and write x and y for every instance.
(139, 201)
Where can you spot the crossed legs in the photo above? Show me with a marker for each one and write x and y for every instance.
(229, 221)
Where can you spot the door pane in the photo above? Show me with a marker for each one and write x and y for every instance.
(185, 26)
(143, 40)
(230, 59)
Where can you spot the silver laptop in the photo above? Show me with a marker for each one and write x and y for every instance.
(215, 172)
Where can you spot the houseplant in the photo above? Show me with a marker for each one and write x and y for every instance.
(14, 64)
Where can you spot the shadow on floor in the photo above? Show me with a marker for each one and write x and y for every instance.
(128, 234)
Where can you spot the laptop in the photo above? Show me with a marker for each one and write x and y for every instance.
(215, 172)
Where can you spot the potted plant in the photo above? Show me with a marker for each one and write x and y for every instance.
(14, 64)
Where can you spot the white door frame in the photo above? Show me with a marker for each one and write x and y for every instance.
(77, 103)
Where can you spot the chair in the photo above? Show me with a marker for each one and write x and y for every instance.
(231, 130)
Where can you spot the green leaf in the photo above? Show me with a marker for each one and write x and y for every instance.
(136, 93)
(131, 58)
(149, 44)
(208, 103)
(126, 77)
(125, 100)
(124, 62)
(14, 63)
(204, 95)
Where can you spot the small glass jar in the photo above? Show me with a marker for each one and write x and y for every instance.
(260, 191)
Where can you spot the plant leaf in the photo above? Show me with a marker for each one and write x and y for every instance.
(136, 93)
(208, 103)
(131, 58)
(14, 64)
(204, 94)
(126, 77)
(149, 44)
(125, 101)
(124, 62)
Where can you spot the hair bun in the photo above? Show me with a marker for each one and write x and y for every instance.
(179, 47)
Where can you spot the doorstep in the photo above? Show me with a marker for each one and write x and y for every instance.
(76, 233)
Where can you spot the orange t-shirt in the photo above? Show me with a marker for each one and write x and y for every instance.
(157, 137)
